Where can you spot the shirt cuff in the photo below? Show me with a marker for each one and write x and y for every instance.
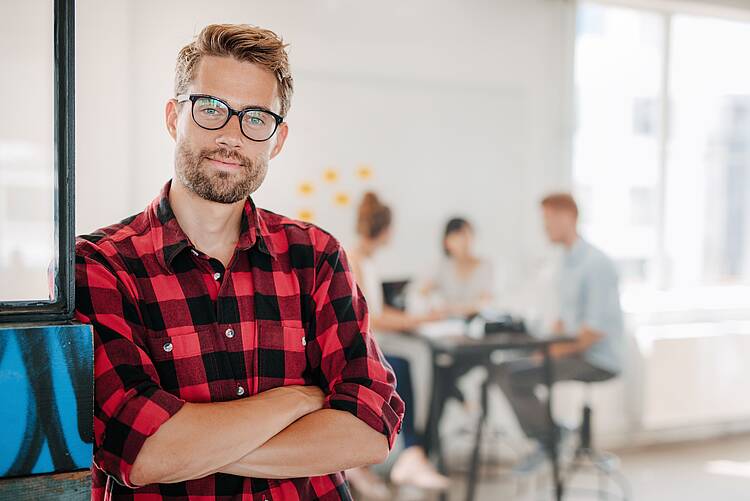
(384, 419)
(127, 430)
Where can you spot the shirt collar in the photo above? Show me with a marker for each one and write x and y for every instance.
(169, 239)
(576, 251)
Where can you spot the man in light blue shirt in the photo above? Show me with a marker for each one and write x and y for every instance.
(589, 310)
(590, 306)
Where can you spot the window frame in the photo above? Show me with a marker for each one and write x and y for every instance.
(61, 309)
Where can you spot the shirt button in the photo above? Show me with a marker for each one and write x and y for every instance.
(195, 252)
(240, 390)
(229, 333)
(217, 275)
(167, 346)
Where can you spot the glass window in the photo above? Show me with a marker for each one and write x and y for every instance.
(618, 81)
(27, 217)
(668, 201)
(36, 160)
(707, 211)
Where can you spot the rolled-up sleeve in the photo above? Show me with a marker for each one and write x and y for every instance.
(129, 404)
(354, 372)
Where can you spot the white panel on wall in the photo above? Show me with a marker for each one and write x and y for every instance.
(706, 361)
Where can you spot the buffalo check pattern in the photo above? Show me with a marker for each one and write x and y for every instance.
(173, 325)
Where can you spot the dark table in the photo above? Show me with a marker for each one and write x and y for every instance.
(448, 351)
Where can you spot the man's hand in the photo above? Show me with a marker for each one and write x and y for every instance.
(556, 351)
(586, 337)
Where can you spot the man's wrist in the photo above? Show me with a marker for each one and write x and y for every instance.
(303, 399)
(309, 406)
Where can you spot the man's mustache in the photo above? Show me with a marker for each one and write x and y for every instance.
(221, 154)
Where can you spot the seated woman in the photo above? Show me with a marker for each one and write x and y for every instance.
(412, 466)
(462, 282)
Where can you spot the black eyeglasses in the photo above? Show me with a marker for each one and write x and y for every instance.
(212, 113)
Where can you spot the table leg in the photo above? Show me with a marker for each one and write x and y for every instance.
(552, 440)
(436, 437)
(474, 467)
(433, 444)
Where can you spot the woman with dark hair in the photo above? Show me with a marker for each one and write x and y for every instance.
(462, 282)
(412, 466)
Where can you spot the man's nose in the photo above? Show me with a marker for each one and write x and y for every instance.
(231, 134)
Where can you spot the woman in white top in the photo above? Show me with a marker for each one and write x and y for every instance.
(463, 282)
(412, 466)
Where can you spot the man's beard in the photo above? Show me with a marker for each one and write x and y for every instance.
(219, 186)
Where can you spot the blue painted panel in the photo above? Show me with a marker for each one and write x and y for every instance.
(46, 399)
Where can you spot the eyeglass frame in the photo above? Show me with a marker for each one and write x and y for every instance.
(181, 98)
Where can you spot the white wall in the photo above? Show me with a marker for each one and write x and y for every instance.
(478, 90)
(104, 147)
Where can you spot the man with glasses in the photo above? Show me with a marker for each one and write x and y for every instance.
(233, 356)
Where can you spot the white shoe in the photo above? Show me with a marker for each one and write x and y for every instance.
(413, 468)
(368, 484)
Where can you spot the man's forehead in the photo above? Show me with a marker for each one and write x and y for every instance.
(242, 84)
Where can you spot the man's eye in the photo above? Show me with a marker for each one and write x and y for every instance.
(254, 119)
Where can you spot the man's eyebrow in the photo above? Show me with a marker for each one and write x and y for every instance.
(255, 107)
(244, 106)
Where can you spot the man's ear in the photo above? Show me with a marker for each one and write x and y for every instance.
(281, 134)
(170, 117)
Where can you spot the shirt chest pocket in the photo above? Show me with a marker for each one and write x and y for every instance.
(185, 362)
(282, 356)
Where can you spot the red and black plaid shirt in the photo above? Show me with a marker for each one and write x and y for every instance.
(172, 325)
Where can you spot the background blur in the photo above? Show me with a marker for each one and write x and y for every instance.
(474, 108)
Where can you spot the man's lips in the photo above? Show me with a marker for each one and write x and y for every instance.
(225, 163)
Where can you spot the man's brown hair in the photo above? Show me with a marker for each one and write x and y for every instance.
(244, 43)
(562, 202)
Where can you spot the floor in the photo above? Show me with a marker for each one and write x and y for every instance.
(715, 470)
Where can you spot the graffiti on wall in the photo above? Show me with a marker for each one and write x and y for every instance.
(46, 399)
